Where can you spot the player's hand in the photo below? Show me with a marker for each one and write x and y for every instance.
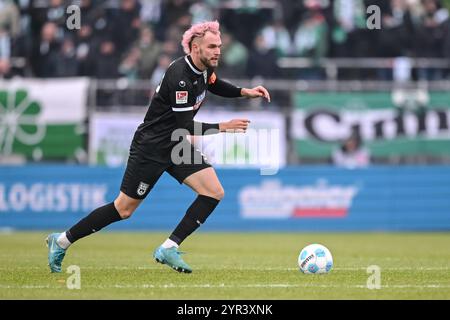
(256, 92)
(235, 125)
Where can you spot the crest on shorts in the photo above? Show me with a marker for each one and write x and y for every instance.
(142, 189)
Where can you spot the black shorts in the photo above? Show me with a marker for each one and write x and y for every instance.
(143, 172)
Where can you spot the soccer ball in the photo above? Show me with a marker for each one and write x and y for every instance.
(315, 258)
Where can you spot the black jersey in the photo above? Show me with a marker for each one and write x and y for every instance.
(182, 89)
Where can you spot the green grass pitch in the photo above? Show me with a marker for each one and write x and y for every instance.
(115, 265)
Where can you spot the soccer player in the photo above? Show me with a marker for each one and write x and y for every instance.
(177, 99)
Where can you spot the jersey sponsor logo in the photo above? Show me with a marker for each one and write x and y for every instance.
(181, 97)
(199, 100)
(142, 188)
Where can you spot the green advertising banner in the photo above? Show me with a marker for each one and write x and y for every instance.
(43, 119)
(110, 136)
(391, 124)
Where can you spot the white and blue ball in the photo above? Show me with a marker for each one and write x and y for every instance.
(314, 259)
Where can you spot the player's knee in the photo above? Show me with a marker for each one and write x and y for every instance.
(125, 213)
(217, 193)
(126, 205)
(125, 210)
(220, 194)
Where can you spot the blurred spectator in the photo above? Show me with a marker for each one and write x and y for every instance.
(171, 11)
(84, 52)
(150, 50)
(351, 154)
(126, 24)
(46, 52)
(106, 65)
(130, 64)
(310, 41)
(175, 32)
(9, 18)
(397, 27)
(245, 19)
(234, 57)
(394, 39)
(350, 22)
(67, 64)
(184, 22)
(277, 37)
(54, 12)
(171, 45)
(151, 11)
(201, 11)
(9, 32)
(163, 63)
(96, 25)
(290, 11)
(431, 35)
(142, 58)
(262, 61)
(96, 18)
(310, 38)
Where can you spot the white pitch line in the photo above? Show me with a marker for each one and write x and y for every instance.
(237, 268)
(2, 286)
(222, 285)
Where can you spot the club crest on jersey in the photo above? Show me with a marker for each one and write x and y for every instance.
(182, 84)
(181, 97)
(142, 189)
(212, 78)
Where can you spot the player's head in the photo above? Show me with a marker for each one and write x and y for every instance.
(203, 41)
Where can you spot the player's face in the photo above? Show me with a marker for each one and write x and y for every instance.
(210, 50)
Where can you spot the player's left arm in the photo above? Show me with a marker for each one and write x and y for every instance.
(225, 89)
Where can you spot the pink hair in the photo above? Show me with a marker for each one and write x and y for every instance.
(198, 30)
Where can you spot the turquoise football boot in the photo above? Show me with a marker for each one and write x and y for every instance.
(171, 257)
(55, 253)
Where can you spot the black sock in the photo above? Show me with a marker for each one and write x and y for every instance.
(197, 214)
(95, 221)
